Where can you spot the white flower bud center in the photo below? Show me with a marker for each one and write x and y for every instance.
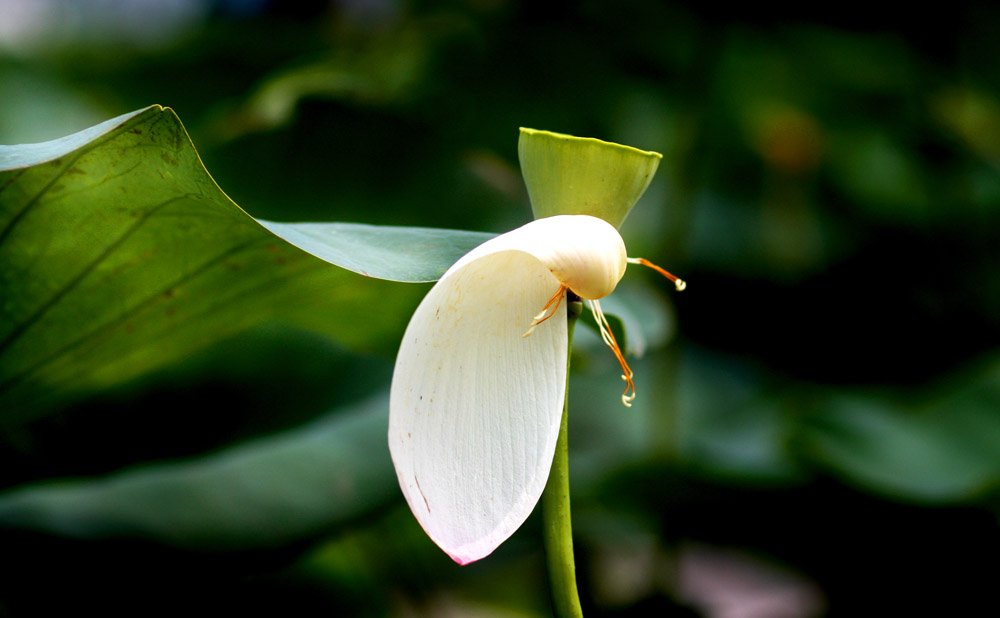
(586, 254)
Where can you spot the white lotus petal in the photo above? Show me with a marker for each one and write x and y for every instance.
(585, 253)
(475, 406)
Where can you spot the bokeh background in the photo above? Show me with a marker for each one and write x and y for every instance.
(817, 431)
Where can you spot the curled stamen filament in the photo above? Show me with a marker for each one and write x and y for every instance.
(609, 339)
(548, 310)
(678, 282)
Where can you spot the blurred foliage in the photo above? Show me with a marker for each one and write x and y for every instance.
(828, 400)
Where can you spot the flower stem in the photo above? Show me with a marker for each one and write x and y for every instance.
(555, 505)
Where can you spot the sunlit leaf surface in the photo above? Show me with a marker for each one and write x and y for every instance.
(120, 254)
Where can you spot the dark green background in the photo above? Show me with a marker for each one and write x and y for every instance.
(829, 401)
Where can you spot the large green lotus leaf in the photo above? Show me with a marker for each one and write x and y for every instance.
(264, 493)
(120, 254)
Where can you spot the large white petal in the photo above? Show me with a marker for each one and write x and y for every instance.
(475, 407)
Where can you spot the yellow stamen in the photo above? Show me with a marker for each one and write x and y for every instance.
(609, 339)
(546, 314)
(678, 283)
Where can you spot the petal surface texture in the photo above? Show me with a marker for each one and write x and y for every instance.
(475, 406)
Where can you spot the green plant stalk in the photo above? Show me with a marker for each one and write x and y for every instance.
(558, 528)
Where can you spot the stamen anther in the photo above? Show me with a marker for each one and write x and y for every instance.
(609, 340)
(546, 313)
(679, 283)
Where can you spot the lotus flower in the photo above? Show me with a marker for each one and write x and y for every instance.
(480, 379)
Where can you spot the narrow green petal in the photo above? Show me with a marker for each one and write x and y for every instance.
(569, 175)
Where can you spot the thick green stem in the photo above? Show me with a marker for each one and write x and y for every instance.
(555, 508)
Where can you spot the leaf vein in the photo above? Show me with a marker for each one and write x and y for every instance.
(186, 278)
(87, 270)
(75, 156)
